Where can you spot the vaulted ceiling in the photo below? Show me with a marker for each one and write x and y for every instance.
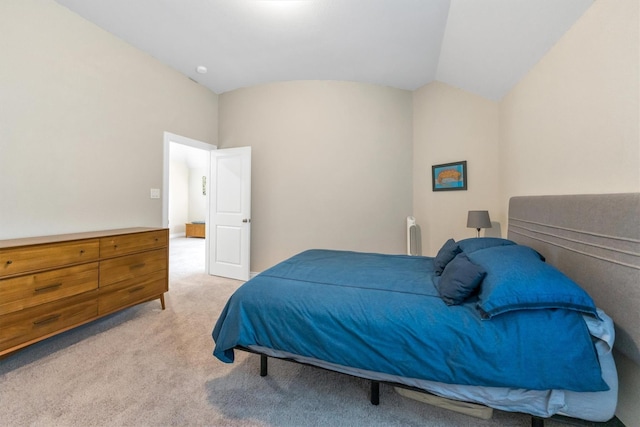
(482, 46)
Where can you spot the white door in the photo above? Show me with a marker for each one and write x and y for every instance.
(230, 213)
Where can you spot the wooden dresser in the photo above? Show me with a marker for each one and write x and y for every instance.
(51, 284)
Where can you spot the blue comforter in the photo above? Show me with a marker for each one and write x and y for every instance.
(383, 313)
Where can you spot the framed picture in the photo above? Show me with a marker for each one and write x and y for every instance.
(449, 176)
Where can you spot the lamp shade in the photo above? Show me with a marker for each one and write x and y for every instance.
(478, 219)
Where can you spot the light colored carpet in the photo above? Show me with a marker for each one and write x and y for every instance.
(148, 367)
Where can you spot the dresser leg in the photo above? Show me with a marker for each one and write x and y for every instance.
(162, 301)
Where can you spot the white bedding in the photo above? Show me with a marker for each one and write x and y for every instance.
(597, 406)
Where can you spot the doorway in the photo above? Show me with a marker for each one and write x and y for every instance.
(185, 199)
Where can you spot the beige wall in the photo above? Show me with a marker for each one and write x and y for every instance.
(197, 200)
(572, 125)
(179, 195)
(331, 165)
(82, 116)
(451, 125)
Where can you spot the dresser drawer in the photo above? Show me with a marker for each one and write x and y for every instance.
(130, 243)
(38, 288)
(36, 322)
(144, 288)
(131, 267)
(14, 261)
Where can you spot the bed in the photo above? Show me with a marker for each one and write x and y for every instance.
(489, 321)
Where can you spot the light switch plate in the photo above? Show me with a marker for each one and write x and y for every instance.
(155, 193)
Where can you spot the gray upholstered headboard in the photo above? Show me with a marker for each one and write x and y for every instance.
(595, 240)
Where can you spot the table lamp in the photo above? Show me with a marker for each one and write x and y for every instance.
(478, 220)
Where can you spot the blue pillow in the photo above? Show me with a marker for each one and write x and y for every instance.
(459, 279)
(476, 243)
(517, 279)
(447, 252)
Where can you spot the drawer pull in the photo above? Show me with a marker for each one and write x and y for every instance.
(46, 320)
(134, 266)
(48, 288)
(9, 262)
(136, 289)
(81, 251)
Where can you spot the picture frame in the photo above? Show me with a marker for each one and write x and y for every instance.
(449, 176)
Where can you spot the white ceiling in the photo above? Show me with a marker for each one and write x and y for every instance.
(482, 46)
